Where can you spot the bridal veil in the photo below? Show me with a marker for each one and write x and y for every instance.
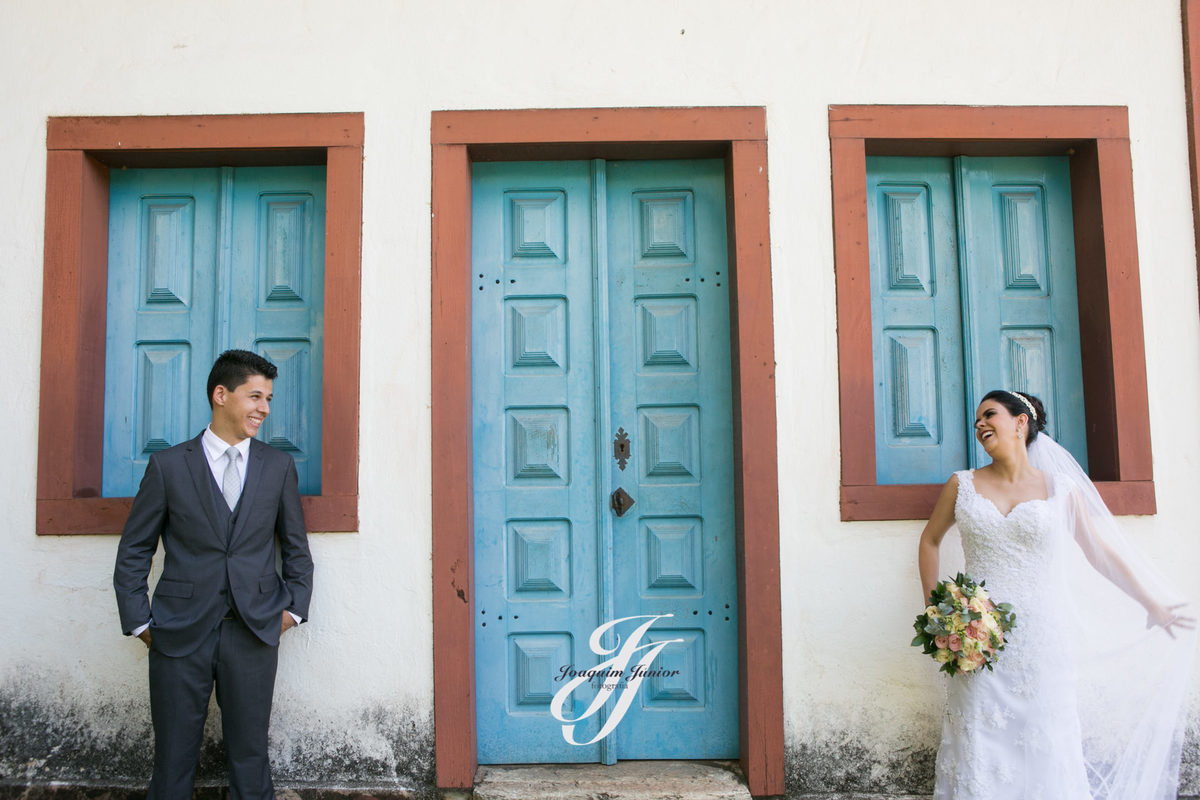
(1132, 680)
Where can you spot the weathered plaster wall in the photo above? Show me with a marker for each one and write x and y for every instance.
(354, 691)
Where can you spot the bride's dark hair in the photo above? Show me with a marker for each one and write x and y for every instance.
(1013, 402)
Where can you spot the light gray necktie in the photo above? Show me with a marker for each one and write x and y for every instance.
(231, 481)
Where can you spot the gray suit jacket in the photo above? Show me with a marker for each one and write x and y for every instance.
(203, 573)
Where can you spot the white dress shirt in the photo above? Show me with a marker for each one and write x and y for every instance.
(214, 450)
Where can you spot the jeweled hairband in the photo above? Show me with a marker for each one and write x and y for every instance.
(1028, 404)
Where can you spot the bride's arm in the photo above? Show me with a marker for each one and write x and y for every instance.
(1105, 560)
(931, 537)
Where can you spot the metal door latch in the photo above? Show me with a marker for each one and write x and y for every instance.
(621, 502)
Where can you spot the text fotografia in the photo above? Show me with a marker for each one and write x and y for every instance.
(638, 672)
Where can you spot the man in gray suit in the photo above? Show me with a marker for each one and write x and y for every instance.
(219, 503)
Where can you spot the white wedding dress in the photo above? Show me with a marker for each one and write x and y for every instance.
(1084, 703)
(1013, 733)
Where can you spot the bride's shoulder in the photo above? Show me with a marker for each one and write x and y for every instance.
(958, 480)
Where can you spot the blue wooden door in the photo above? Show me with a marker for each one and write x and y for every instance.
(202, 260)
(601, 312)
(674, 552)
(972, 289)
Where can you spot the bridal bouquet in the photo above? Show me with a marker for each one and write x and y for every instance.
(962, 628)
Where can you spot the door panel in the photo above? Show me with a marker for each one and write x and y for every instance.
(161, 302)
(1018, 253)
(534, 447)
(601, 310)
(277, 300)
(669, 304)
(916, 321)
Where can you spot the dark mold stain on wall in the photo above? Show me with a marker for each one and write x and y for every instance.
(48, 740)
(44, 741)
(1189, 765)
(843, 765)
(332, 757)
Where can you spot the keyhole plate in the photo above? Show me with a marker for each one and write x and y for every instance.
(621, 448)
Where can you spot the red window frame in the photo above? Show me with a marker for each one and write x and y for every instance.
(1110, 305)
(80, 152)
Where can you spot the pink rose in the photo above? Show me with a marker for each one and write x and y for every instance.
(955, 642)
(941, 642)
(977, 632)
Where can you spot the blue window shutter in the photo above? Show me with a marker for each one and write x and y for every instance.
(159, 337)
(276, 300)
(916, 327)
(201, 260)
(1018, 272)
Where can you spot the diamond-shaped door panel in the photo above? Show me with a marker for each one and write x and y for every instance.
(537, 446)
(666, 334)
(665, 228)
(670, 444)
(535, 660)
(672, 556)
(677, 677)
(539, 559)
(535, 227)
(535, 331)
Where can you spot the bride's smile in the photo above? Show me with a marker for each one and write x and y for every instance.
(992, 420)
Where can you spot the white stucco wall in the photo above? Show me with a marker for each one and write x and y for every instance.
(358, 677)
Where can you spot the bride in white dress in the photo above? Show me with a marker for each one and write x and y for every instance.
(1075, 709)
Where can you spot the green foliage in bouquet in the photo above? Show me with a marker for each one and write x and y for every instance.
(962, 628)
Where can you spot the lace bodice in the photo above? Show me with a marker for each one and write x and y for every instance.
(1018, 554)
(1020, 558)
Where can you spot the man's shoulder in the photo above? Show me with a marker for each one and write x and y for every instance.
(269, 453)
(177, 451)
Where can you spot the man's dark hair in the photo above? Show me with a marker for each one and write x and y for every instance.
(233, 367)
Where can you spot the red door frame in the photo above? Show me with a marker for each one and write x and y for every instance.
(739, 136)
(1190, 10)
